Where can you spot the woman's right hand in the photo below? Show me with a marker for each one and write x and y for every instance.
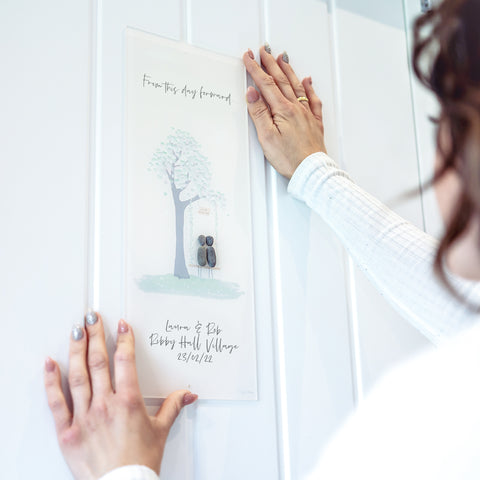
(288, 129)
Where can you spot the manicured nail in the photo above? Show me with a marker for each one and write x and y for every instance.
(251, 55)
(267, 47)
(252, 95)
(122, 326)
(49, 365)
(285, 57)
(77, 332)
(91, 318)
(310, 82)
(189, 398)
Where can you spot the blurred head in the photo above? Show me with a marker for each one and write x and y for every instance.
(446, 60)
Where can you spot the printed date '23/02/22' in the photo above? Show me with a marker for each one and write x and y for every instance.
(194, 357)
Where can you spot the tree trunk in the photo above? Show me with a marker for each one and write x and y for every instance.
(180, 269)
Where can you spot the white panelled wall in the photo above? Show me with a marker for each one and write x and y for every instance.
(324, 335)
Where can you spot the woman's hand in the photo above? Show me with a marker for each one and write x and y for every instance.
(288, 129)
(108, 428)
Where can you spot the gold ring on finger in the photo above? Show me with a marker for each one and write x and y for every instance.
(303, 99)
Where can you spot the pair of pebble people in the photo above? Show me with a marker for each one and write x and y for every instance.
(206, 254)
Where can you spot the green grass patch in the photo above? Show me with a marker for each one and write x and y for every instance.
(193, 286)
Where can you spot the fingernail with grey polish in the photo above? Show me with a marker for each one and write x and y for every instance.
(285, 57)
(91, 318)
(267, 48)
(77, 332)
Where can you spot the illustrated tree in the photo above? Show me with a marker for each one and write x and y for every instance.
(181, 164)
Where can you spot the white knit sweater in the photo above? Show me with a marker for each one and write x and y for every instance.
(131, 472)
(394, 254)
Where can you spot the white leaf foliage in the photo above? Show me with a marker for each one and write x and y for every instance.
(181, 161)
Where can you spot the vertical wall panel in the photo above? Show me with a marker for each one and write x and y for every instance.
(319, 388)
(380, 154)
(226, 27)
(44, 125)
(377, 119)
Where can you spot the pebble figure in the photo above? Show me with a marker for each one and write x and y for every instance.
(211, 255)
(202, 251)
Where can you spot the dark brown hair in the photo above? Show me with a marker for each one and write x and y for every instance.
(446, 59)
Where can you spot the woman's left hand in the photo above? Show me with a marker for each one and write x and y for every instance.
(108, 428)
(287, 113)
